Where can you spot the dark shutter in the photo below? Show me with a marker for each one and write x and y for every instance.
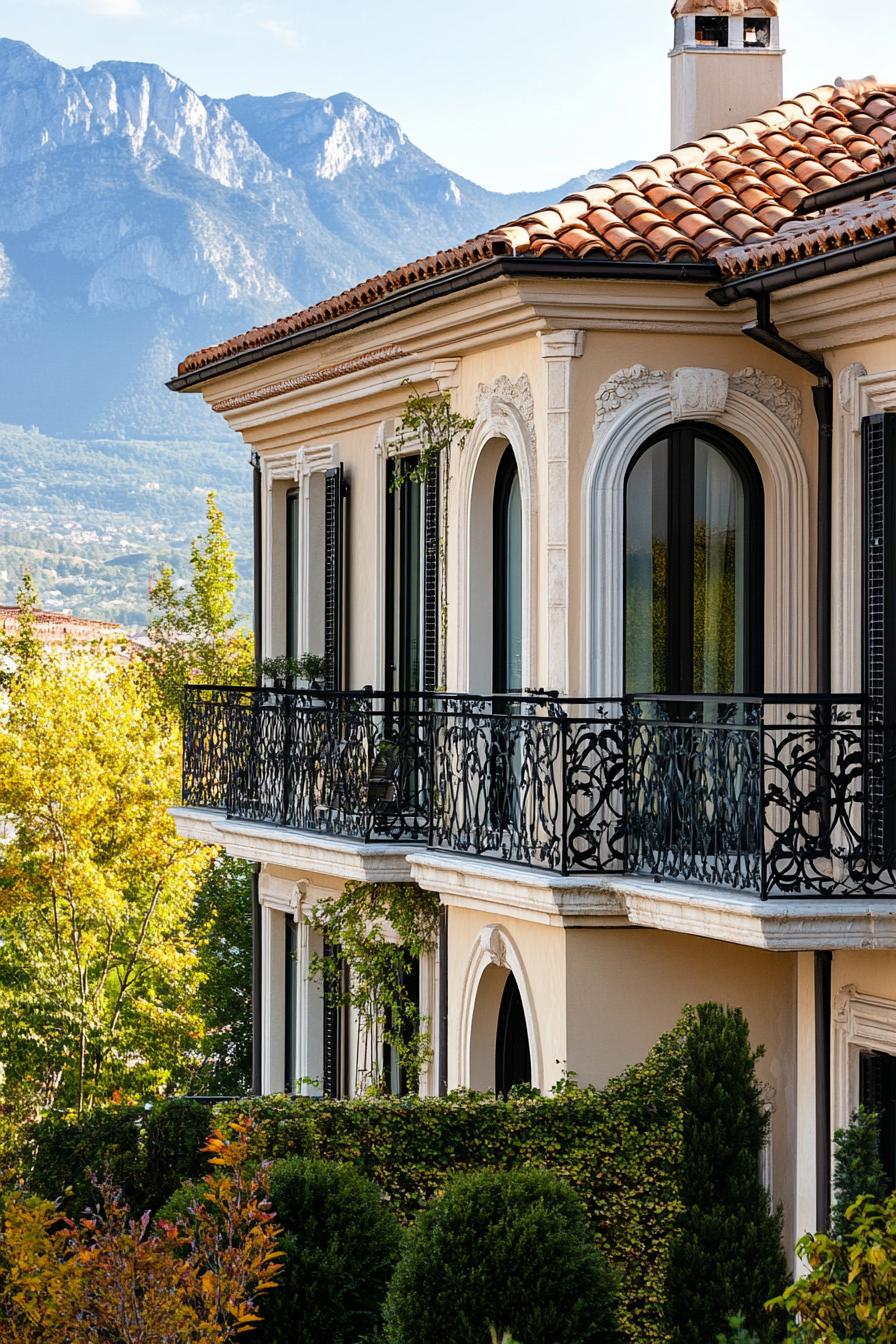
(334, 578)
(332, 1079)
(431, 605)
(879, 476)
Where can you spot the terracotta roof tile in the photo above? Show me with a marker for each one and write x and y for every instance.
(729, 196)
(853, 222)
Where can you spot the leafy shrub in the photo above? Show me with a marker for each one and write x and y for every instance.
(849, 1294)
(858, 1169)
(619, 1148)
(726, 1256)
(341, 1243)
(106, 1277)
(146, 1154)
(502, 1251)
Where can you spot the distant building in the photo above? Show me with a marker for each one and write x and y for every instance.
(54, 627)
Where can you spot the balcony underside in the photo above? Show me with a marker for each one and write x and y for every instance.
(782, 798)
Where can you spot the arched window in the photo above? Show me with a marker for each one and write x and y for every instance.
(513, 1061)
(693, 566)
(507, 577)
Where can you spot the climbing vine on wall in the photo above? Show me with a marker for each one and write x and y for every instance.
(378, 933)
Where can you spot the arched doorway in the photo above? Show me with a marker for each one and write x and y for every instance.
(507, 578)
(513, 1058)
(693, 566)
(500, 1050)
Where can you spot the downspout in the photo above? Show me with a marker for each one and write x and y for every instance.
(258, 632)
(766, 333)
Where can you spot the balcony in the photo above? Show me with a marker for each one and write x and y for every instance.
(774, 797)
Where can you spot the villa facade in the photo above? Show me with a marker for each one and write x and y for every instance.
(619, 680)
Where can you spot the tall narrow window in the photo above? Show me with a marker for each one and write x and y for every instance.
(290, 994)
(293, 572)
(395, 1075)
(405, 609)
(693, 567)
(508, 577)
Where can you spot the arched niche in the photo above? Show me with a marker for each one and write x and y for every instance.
(494, 960)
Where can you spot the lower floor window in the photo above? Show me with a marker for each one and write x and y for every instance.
(394, 1073)
(878, 1093)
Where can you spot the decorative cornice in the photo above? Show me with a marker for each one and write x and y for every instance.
(518, 395)
(386, 354)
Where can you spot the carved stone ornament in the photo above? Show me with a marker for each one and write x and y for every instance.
(842, 999)
(777, 396)
(493, 945)
(849, 379)
(299, 892)
(624, 385)
(697, 394)
(518, 395)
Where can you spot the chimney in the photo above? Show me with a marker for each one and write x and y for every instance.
(727, 64)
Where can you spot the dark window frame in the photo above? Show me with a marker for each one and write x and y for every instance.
(508, 475)
(290, 995)
(293, 539)
(680, 533)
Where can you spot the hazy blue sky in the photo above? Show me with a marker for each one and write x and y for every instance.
(520, 94)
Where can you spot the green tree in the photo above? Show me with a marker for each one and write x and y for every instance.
(858, 1169)
(194, 637)
(98, 968)
(193, 632)
(727, 1258)
(221, 922)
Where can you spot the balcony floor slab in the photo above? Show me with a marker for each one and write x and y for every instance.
(795, 925)
(326, 855)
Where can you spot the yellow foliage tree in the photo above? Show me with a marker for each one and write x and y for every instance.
(98, 972)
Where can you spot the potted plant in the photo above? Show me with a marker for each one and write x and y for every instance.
(286, 671)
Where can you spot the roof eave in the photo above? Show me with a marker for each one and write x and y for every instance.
(785, 276)
(547, 267)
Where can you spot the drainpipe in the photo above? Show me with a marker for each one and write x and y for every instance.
(764, 331)
(258, 632)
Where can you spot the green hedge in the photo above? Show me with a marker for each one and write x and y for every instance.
(146, 1151)
(620, 1149)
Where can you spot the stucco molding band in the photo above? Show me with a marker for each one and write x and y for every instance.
(386, 354)
(481, 959)
(860, 1022)
(506, 412)
(646, 407)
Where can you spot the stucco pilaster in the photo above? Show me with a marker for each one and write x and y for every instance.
(558, 349)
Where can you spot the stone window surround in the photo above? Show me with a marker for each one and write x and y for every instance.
(765, 414)
(859, 1023)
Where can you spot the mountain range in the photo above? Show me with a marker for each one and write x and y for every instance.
(140, 220)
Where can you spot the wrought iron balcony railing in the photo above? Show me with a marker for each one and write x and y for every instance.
(777, 796)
